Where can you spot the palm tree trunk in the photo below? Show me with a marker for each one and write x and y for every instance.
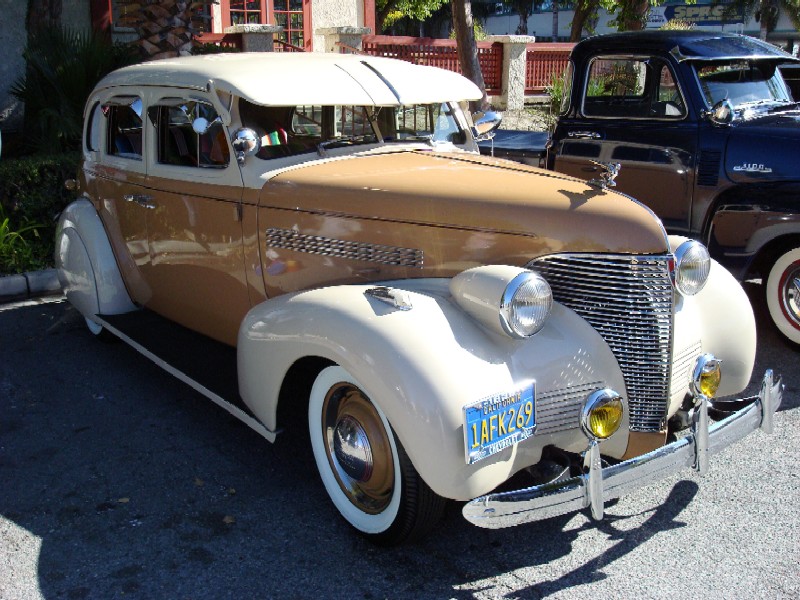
(43, 14)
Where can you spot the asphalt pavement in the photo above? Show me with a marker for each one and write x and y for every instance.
(117, 480)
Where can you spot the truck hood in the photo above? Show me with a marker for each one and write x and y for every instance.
(473, 193)
(764, 147)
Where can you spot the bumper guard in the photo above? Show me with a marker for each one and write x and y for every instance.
(598, 484)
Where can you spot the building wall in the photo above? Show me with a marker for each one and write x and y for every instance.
(13, 39)
(335, 13)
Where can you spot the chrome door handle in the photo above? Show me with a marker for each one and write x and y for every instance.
(140, 199)
(584, 135)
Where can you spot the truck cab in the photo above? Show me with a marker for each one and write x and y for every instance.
(705, 131)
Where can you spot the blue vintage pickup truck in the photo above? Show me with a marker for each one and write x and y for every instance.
(705, 132)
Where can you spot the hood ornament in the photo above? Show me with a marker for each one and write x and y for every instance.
(608, 174)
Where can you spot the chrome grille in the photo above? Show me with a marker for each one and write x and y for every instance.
(559, 410)
(629, 301)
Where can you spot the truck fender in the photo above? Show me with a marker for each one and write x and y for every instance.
(87, 269)
(722, 314)
(421, 366)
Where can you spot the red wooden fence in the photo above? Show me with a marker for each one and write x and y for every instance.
(543, 61)
(438, 53)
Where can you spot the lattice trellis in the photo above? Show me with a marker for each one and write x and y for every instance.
(164, 28)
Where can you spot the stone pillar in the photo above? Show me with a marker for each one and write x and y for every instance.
(514, 64)
(256, 38)
(345, 36)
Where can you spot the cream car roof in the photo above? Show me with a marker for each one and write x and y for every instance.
(290, 79)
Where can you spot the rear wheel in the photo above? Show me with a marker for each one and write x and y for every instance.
(363, 466)
(783, 294)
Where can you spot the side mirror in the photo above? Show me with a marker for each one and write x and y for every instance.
(245, 142)
(484, 123)
(722, 113)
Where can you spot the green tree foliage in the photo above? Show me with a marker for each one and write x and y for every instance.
(63, 67)
(391, 11)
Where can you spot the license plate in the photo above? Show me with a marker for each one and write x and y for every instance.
(497, 422)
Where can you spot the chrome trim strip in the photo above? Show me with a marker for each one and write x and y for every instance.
(592, 489)
(289, 239)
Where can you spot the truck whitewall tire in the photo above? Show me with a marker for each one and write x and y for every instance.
(363, 466)
(783, 294)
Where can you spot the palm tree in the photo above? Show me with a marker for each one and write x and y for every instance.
(164, 28)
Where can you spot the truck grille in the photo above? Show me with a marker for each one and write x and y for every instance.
(629, 301)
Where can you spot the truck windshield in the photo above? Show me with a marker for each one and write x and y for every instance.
(743, 83)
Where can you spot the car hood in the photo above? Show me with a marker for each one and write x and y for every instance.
(465, 191)
(764, 148)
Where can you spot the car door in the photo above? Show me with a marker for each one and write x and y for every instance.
(116, 140)
(634, 114)
(196, 270)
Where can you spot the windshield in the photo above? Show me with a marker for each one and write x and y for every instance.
(291, 130)
(743, 83)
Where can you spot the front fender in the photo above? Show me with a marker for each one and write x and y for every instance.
(722, 316)
(421, 366)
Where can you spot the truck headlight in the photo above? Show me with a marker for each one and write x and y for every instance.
(509, 300)
(692, 266)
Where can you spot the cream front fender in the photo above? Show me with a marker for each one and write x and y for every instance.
(721, 317)
(87, 269)
(421, 366)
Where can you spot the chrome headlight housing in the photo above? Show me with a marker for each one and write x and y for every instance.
(692, 267)
(509, 300)
(526, 304)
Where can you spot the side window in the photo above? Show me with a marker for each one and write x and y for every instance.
(190, 135)
(124, 118)
(94, 129)
(634, 88)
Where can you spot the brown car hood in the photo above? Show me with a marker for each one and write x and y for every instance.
(471, 192)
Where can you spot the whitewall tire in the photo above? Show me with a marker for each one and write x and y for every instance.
(363, 466)
(783, 294)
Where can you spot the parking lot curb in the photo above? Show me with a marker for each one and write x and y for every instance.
(29, 285)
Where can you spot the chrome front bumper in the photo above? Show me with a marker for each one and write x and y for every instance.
(599, 484)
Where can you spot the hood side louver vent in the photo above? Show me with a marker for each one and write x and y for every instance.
(708, 167)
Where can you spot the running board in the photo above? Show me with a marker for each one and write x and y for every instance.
(206, 365)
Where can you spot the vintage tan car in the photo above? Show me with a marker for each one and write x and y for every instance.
(318, 233)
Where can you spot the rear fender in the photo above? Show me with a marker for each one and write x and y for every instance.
(421, 366)
(86, 267)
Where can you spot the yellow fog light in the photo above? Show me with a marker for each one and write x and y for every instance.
(706, 376)
(602, 414)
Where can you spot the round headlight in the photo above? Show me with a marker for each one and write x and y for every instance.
(707, 375)
(602, 414)
(526, 303)
(692, 266)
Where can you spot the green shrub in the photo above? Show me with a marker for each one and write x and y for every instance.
(62, 68)
(32, 195)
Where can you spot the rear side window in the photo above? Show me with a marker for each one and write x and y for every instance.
(94, 142)
(124, 127)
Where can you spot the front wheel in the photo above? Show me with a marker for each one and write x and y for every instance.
(783, 294)
(363, 466)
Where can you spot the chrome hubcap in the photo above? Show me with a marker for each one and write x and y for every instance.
(358, 449)
(789, 291)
